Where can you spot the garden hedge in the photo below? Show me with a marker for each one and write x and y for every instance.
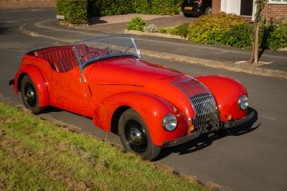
(78, 11)
(233, 30)
(74, 11)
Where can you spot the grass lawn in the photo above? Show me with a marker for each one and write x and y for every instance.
(37, 154)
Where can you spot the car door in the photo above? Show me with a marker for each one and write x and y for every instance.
(69, 91)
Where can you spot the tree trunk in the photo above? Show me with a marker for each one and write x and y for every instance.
(256, 45)
(260, 4)
(253, 47)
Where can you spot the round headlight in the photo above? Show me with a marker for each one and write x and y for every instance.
(169, 122)
(243, 102)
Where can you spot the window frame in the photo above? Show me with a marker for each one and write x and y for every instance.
(277, 3)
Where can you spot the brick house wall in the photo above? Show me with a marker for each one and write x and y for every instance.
(18, 4)
(271, 11)
(275, 12)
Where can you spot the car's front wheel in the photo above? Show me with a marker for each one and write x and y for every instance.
(30, 95)
(135, 136)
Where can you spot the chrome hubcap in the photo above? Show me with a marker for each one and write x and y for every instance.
(136, 136)
(30, 94)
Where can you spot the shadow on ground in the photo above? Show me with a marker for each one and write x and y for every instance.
(207, 140)
(3, 29)
(96, 20)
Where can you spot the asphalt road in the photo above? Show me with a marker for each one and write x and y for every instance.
(251, 157)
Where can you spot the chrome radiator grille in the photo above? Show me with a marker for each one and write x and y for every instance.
(203, 103)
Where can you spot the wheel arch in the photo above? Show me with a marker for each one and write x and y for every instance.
(226, 92)
(151, 108)
(116, 117)
(41, 84)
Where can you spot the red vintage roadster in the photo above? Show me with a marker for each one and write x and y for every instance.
(149, 106)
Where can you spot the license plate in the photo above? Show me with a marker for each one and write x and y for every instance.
(188, 8)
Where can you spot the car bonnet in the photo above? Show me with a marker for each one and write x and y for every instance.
(128, 70)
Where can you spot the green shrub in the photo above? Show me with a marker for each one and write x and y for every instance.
(118, 7)
(136, 23)
(167, 7)
(277, 37)
(78, 11)
(211, 29)
(232, 30)
(75, 11)
(110, 7)
(61, 6)
(181, 30)
(239, 36)
(141, 6)
(163, 30)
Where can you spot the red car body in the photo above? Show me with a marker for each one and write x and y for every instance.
(159, 107)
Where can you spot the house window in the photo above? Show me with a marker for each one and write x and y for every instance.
(277, 1)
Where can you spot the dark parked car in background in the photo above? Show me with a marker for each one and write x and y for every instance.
(196, 7)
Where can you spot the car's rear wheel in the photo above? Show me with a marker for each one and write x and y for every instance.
(30, 95)
(135, 136)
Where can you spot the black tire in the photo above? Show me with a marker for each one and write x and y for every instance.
(135, 136)
(186, 15)
(30, 95)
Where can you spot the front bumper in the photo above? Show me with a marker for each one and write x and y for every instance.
(196, 134)
(241, 121)
(181, 140)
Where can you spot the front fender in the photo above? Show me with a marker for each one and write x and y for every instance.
(226, 92)
(40, 84)
(151, 108)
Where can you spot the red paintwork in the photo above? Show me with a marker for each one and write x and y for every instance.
(123, 82)
(225, 89)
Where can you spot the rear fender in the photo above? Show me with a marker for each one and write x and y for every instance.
(151, 108)
(226, 92)
(40, 84)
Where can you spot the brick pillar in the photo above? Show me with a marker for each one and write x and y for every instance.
(216, 6)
